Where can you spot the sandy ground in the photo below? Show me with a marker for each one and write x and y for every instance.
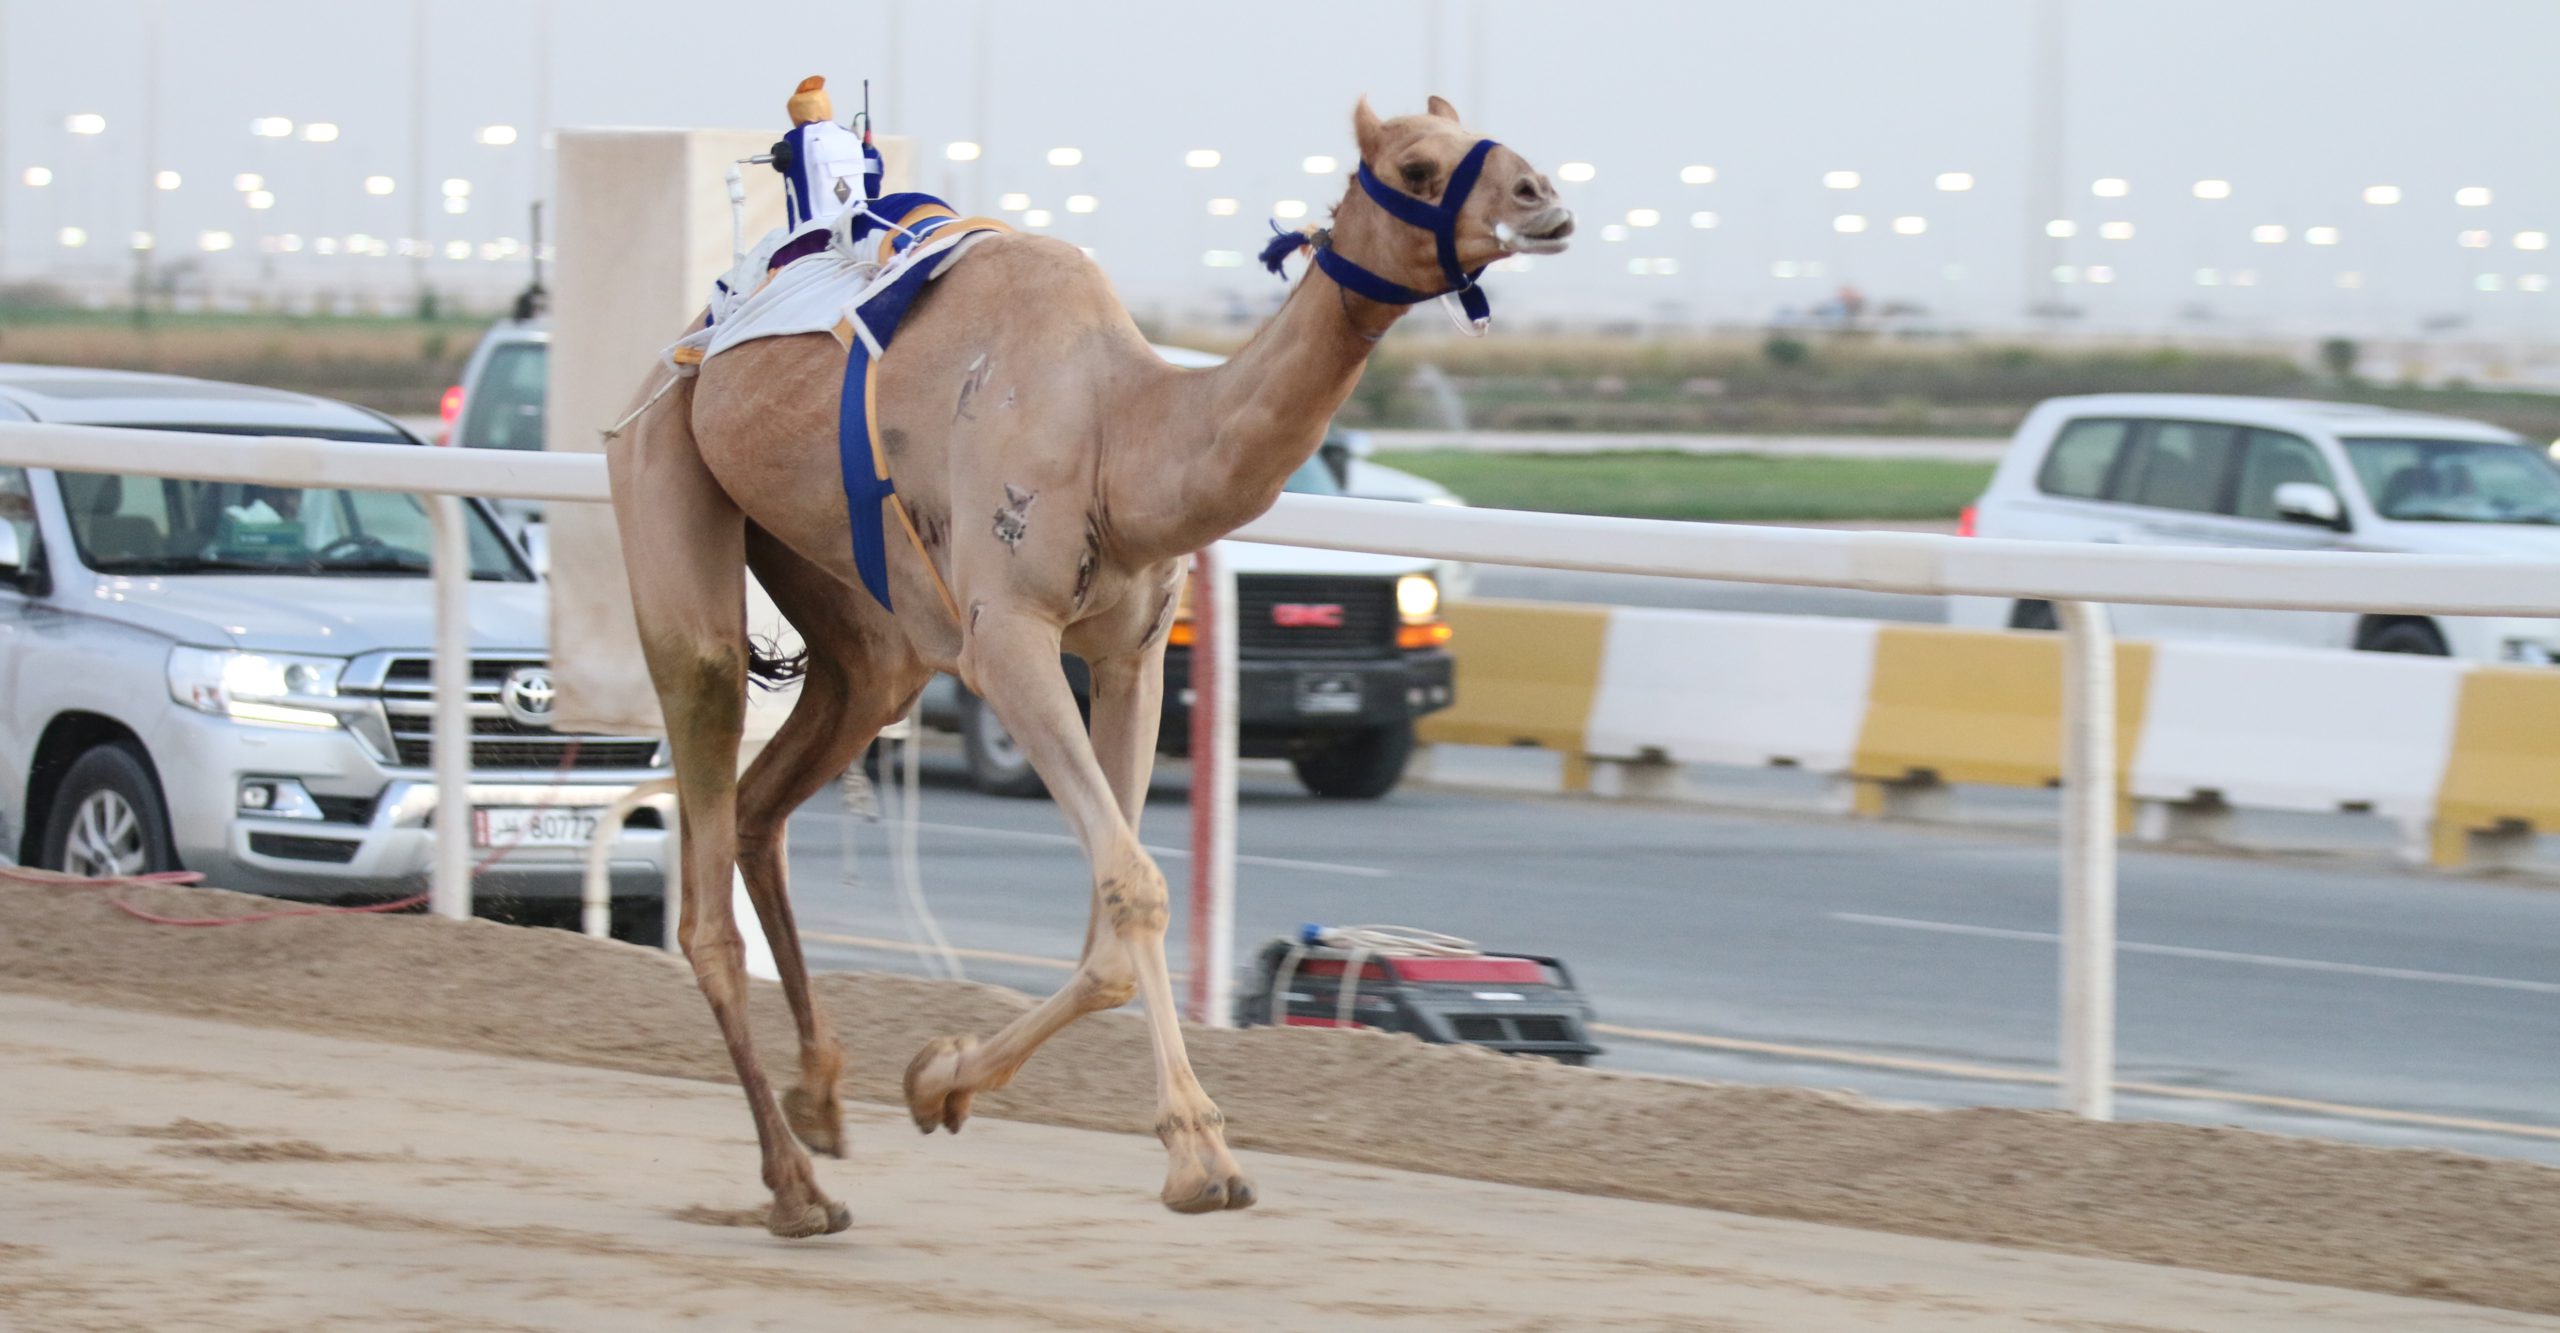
(167, 1172)
(352, 1166)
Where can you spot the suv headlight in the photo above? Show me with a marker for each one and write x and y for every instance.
(274, 689)
(1417, 597)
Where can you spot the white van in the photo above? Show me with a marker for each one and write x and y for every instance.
(2276, 474)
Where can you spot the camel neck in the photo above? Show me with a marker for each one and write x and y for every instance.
(1235, 433)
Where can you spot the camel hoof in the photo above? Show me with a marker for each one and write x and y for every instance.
(934, 1096)
(1240, 1193)
(823, 1217)
(1209, 1196)
(818, 1125)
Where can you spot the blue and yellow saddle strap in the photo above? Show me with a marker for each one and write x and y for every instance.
(860, 455)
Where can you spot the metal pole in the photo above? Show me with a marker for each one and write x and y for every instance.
(1213, 790)
(449, 891)
(2088, 860)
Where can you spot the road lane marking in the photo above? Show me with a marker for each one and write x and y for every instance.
(973, 955)
(1165, 853)
(1988, 1073)
(2210, 955)
(1862, 1059)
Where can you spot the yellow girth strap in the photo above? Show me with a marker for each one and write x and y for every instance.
(880, 468)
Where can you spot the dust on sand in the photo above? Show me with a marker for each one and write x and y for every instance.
(2406, 1221)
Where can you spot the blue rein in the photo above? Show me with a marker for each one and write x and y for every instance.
(1441, 220)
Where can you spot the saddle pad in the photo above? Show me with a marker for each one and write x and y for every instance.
(921, 237)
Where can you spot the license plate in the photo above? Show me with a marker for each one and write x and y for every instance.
(532, 826)
(1328, 693)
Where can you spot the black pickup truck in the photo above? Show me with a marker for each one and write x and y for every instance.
(1337, 654)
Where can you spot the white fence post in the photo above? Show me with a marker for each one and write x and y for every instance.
(2088, 860)
(1213, 790)
(449, 887)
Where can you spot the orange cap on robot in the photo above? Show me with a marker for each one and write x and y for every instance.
(810, 103)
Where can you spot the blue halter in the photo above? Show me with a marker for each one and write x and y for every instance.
(1441, 220)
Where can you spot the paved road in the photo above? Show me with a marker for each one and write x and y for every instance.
(1910, 963)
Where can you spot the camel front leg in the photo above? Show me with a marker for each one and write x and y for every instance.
(1014, 662)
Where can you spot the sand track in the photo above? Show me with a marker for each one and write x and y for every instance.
(265, 1123)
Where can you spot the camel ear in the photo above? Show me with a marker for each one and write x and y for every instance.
(1440, 107)
(1366, 129)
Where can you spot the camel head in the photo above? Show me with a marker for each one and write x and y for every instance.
(1509, 209)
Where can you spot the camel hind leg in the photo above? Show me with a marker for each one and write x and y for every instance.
(683, 544)
(861, 677)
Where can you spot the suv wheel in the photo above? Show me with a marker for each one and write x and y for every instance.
(997, 766)
(107, 818)
(2405, 636)
(1363, 767)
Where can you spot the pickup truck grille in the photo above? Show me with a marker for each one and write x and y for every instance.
(1315, 615)
(499, 743)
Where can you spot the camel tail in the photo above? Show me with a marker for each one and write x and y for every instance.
(770, 668)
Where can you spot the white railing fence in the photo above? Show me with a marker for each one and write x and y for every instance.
(2078, 579)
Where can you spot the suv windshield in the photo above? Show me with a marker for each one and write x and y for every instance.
(161, 525)
(504, 410)
(2457, 481)
(1312, 478)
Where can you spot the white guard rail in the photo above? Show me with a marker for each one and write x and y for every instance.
(2077, 578)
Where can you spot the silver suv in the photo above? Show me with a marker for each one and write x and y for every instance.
(233, 679)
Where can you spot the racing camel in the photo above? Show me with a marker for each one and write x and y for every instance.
(1057, 476)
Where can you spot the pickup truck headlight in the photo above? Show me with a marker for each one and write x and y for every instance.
(1417, 597)
(272, 689)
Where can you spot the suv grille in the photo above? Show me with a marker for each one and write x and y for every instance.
(499, 742)
(1368, 616)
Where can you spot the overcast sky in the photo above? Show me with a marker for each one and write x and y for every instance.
(2299, 104)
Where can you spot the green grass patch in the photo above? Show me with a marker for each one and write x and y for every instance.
(1723, 487)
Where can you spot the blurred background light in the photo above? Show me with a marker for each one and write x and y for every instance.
(2473, 196)
(960, 150)
(1697, 174)
(1202, 159)
(86, 122)
(1839, 180)
(2110, 187)
(2382, 194)
(2213, 189)
(321, 131)
(271, 127)
(1576, 172)
(1955, 182)
(1065, 157)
